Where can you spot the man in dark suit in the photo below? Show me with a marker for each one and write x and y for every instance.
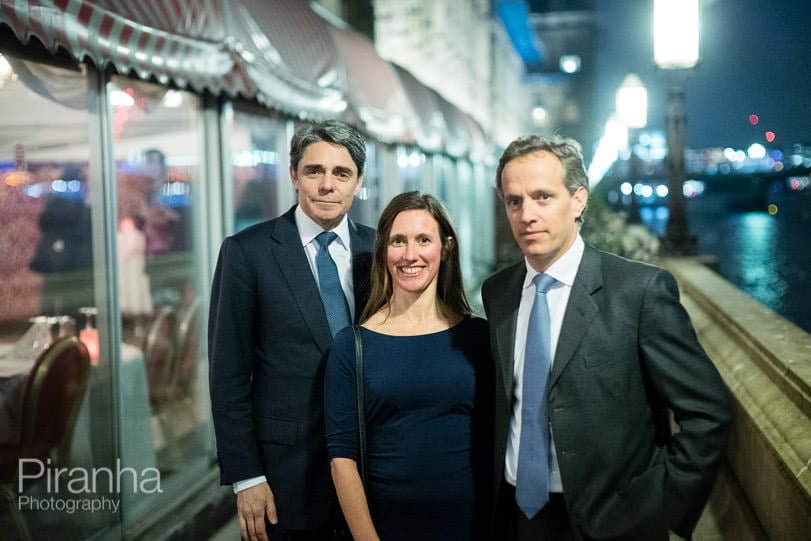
(589, 363)
(269, 335)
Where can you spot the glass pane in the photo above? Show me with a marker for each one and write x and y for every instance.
(460, 209)
(47, 414)
(366, 206)
(257, 167)
(159, 176)
(411, 163)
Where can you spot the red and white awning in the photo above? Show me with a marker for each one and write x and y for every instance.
(278, 52)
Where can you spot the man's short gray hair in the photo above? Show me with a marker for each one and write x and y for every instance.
(330, 131)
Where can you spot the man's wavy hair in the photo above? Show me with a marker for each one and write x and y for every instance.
(567, 150)
(330, 131)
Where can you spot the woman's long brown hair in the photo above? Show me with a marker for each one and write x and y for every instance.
(450, 287)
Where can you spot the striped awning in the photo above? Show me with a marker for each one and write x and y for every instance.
(288, 53)
(374, 91)
(179, 41)
(278, 52)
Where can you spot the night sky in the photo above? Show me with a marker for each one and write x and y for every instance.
(756, 59)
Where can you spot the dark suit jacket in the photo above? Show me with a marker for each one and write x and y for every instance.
(627, 353)
(268, 342)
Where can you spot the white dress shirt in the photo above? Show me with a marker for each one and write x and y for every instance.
(563, 270)
(340, 250)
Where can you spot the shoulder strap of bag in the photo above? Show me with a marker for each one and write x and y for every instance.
(361, 404)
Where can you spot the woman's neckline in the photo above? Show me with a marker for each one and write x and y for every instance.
(452, 327)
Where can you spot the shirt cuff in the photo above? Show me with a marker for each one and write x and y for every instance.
(239, 486)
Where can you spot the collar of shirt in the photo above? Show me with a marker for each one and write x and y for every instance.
(308, 229)
(340, 252)
(564, 269)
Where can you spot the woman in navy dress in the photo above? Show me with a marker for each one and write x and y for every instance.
(427, 377)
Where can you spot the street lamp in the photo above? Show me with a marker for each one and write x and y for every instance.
(676, 50)
(632, 110)
(632, 102)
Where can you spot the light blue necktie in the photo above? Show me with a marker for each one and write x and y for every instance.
(329, 285)
(532, 484)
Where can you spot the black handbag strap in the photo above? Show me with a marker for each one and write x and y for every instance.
(361, 404)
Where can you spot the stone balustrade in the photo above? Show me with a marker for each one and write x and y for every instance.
(764, 490)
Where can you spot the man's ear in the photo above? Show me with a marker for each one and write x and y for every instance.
(447, 246)
(581, 197)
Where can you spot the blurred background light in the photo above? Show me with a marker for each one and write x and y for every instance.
(756, 151)
(570, 63)
(676, 33)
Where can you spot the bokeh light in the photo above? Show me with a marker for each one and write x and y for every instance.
(770, 136)
(753, 120)
(756, 151)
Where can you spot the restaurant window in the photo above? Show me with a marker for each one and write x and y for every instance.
(411, 162)
(366, 206)
(258, 165)
(48, 278)
(165, 414)
(462, 208)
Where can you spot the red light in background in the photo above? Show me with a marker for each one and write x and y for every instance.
(770, 136)
(753, 119)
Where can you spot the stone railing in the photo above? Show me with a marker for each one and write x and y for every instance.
(764, 490)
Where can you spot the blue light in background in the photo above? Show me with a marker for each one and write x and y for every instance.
(514, 15)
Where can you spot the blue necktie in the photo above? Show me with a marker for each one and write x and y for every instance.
(532, 484)
(329, 285)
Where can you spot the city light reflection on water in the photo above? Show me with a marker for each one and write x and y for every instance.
(766, 256)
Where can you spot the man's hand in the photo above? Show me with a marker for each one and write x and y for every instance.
(252, 506)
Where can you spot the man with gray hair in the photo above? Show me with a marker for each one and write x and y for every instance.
(592, 352)
(281, 290)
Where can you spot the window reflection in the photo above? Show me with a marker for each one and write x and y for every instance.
(366, 207)
(157, 147)
(46, 282)
(257, 164)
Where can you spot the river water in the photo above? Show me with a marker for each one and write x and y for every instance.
(768, 256)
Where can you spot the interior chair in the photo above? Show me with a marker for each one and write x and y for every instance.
(187, 343)
(160, 355)
(51, 399)
(160, 358)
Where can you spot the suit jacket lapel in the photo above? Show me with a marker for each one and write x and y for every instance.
(580, 310)
(506, 317)
(295, 268)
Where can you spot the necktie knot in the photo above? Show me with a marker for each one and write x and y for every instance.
(325, 238)
(543, 283)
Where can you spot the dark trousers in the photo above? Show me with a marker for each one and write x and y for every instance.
(334, 530)
(550, 524)
(321, 534)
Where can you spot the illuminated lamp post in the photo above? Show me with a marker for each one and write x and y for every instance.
(676, 50)
(632, 110)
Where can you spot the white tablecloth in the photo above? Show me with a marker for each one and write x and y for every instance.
(90, 440)
(137, 449)
(13, 373)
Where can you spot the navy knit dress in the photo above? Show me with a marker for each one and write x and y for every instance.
(428, 411)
